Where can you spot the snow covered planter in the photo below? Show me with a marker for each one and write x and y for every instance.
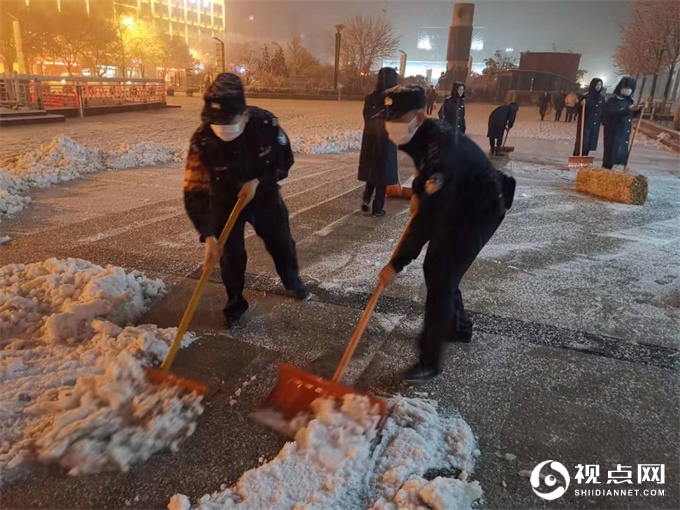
(340, 459)
(72, 387)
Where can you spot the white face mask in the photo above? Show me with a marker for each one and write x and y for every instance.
(626, 92)
(229, 132)
(400, 133)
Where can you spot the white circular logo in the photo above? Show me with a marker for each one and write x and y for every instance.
(550, 480)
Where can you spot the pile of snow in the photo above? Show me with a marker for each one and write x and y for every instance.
(327, 143)
(73, 390)
(64, 159)
(342, 459)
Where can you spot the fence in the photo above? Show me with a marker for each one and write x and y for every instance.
(52, 92)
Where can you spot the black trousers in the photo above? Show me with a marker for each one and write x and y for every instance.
(379, 200)
(571, 113)
(451, 252)
(430, 107)
(268, 214)
(558, 114)
(496, 141)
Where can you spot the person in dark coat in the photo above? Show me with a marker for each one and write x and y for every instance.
(558, 103)
(543, 104)
(453, 109)
(431, 99)
(378, 158)
(240, 151)
(459, 201)
(594, 106)
(501, 118)
(619, 112)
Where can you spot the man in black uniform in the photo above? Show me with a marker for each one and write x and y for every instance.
(500, 120)
(240, 151)
(459, 201)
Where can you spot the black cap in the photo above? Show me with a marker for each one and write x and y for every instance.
(403, 99)
(224, 99)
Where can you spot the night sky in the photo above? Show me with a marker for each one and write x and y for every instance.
(589, 27)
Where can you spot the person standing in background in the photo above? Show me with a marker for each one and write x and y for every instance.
(431, 98)
(558, 103)
(378, 158)
(570, 102)
(594, 106)
(543, 104)
(453, 109)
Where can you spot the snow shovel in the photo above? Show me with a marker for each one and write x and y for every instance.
(581, 160)
(163, 374)
(401, 191)
(506, 148)
(296, 389)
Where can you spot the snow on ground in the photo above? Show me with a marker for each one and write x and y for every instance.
(73, 388)
(342, 458)
(64, 159)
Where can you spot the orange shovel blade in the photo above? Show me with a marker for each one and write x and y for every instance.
(159, 377)
(581, 160)
(296, 389)
(399, 192)
(507, 148)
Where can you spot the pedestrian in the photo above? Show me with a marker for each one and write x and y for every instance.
(459, 201)
(543, 104)
(570, 103)
(378, 157)
(594, 106)
(619, 112)
(431, 98)
(240, 151)
(501, 118)
(558, 103)
(453, 109)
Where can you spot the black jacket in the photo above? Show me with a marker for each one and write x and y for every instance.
(473, 191)
(558, 101)
(453, 109)
(378, 157)
(618, 123)
(502, 118)
(591, 124)
(430, 96)
(216, 170)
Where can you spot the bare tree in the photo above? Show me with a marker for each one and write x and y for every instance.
(365, 42)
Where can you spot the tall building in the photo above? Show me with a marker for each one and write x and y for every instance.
(193, 20)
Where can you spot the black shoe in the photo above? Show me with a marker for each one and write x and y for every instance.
(301, 293)
(234, 310)
(379, 214)
(464, 336)
(500, 154)
(421, 372)
(365, 206)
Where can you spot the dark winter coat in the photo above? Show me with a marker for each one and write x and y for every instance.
(618, 123)
(591, 124)
(473, 191)
(216, 170)
(378, 158)
(453, 109)
(544, 102)
(430, 96)
(502, 118)
(558, 101)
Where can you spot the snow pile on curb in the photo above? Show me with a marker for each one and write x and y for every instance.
(64, 159)
(340, 141)
(340, 459)
(73, 389)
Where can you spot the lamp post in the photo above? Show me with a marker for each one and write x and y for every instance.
(21, 58)
(338, 39)
(220, 55)
(402, 64)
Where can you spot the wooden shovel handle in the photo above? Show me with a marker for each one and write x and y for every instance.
(637, 128)
(368, 311)
(583, 121)
(198, 291)
(507, 132)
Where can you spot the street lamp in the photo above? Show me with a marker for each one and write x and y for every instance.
(338, 38)
(220, 55)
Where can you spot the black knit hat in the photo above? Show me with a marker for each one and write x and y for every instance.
(224, 99)
(403, 99)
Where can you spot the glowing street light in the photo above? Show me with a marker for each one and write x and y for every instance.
(128, 22)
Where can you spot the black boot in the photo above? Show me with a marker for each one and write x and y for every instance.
(301, 293)
(421, 372)
(463, 334)
(365, 206)
(234, 310)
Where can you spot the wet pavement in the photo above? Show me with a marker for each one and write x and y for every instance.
(575, 303)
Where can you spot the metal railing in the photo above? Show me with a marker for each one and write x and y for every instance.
(81, 92)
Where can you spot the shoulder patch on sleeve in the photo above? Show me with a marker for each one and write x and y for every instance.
(275, 121)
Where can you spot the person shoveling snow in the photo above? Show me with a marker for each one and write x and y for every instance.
(73, 387)
(343, 459)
